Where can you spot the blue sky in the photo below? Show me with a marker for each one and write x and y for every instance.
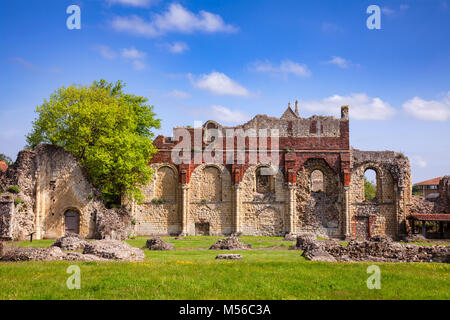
(229, 60)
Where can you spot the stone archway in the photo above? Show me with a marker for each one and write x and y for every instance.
(72, 221)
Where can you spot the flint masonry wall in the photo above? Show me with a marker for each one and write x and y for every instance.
(387, 213)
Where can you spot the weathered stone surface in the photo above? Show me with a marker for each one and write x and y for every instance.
(289, 237)
(113, 249)
(37, 254)
(229, 256)
(158, 244)
(113, 224)
(2, 248)
(318, 255)
(231, 243)
(70, 241)
(379, 248)
(77, 256)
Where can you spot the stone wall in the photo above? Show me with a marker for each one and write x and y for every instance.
(263, 213)
(51, 182)
(319, 212)
(159, 213)
(385, 214)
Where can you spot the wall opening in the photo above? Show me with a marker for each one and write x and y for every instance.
(370, 185)
(202, 229)
(72, 221)
(317, 181)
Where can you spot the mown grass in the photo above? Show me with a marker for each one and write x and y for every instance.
(189, 272)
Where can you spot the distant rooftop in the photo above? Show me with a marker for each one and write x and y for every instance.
(430, 182)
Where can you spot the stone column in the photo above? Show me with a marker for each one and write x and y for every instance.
(184, 208)
(39, 206)
(291, 208)
(347, 230)
(237, 209)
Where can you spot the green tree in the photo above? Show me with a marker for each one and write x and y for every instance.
(370, 189)
(6, 159)
(109, 131)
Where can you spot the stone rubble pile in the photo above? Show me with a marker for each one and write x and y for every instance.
(100, 250)
(71, 241)
(114, 250)
(379, 249)
(229, 256)
(231, 243)
(157, 244)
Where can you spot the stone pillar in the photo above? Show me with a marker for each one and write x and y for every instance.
(39, 206)
(237, 209)
(347, 226)
(291, 208)
(184, 208)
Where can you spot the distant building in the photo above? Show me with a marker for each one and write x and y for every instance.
(428, 187)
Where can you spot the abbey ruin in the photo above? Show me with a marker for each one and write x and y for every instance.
(317, 186)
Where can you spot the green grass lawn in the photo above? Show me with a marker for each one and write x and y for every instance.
(191, 272)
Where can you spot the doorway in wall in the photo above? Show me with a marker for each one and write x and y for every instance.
(72, 221)
(202, 229)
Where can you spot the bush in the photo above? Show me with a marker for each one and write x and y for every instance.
(14, 189)
(18, 201)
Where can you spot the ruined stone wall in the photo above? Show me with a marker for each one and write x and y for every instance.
(6, 218)
(319, 212)
(159, 212)
(386, 213)
(210, 201)
(51, 182)
(263, 213)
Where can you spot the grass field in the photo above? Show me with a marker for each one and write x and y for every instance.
(270, 271)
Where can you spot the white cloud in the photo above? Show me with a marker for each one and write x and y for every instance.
(179, 94)
(285, 68)
(224, 114)
(418, 161)
(178, 47)
(106, 52)
(219, 83)
(134, 3)
(362, 107)
(176, 19)
(431, 110)
(339, 61)
(132, 53)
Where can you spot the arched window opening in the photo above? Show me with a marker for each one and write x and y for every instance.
(317, 181)
(370, 185)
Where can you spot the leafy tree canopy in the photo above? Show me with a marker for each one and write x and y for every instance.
(109, 131)
(370, 190)
(6, 159)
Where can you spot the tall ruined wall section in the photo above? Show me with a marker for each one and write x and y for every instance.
(51, 183)
(263, 210)
(444, 193)
(319, 212)
(386, 214)
(159, 212)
